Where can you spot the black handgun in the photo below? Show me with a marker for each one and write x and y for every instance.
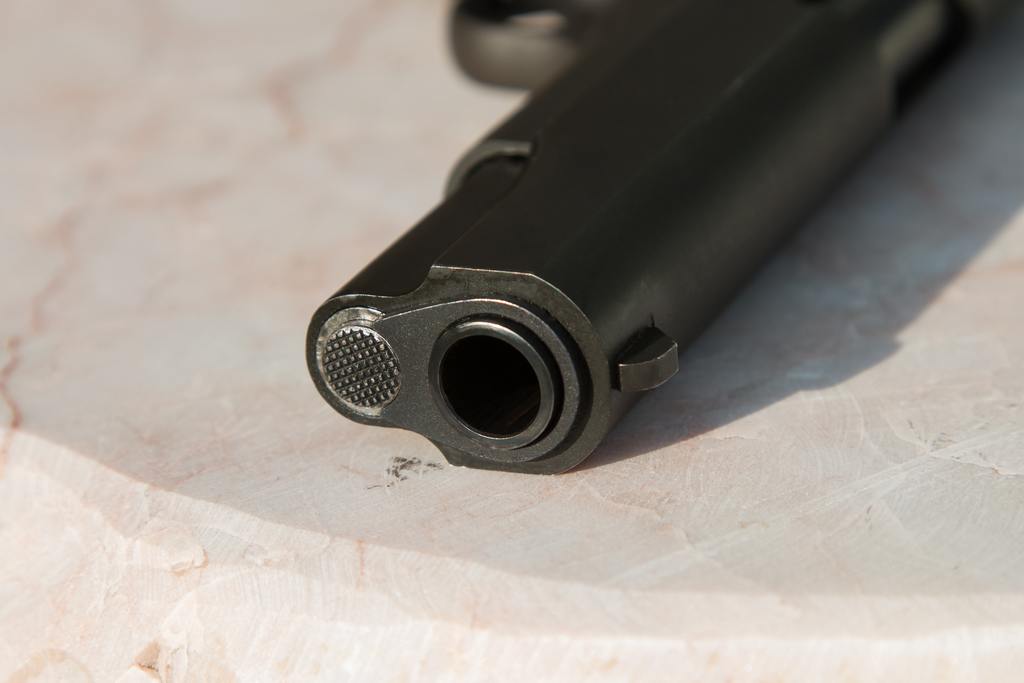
(667, 149)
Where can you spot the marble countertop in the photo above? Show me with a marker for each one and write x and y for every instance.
(831, 489)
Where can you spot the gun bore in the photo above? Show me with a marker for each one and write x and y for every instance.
(495, 382)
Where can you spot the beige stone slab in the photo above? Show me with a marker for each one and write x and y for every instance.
(832, 489)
